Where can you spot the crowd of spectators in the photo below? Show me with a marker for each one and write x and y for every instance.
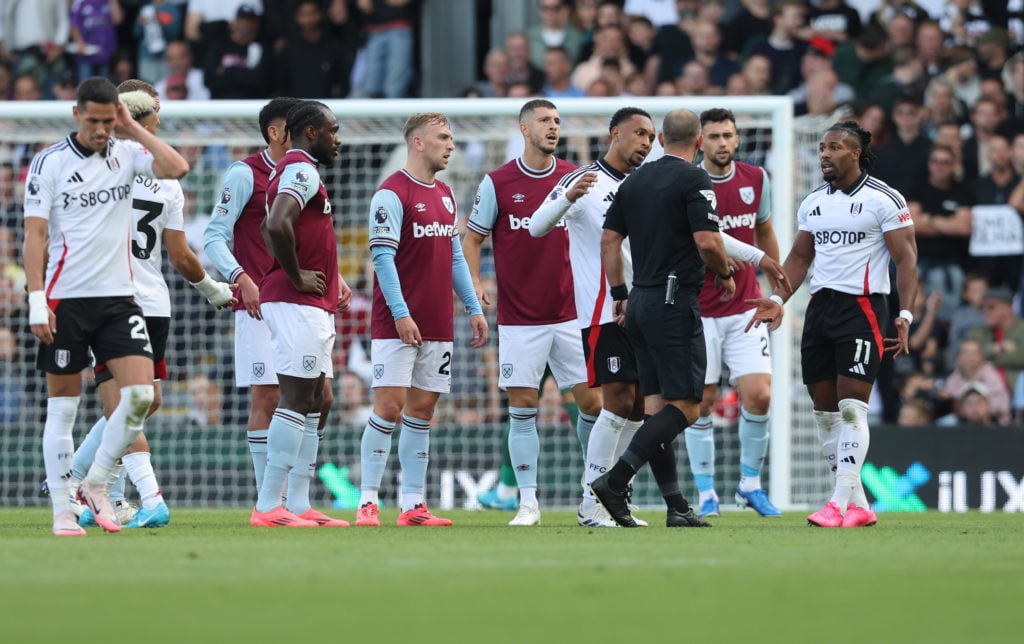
(939, 84)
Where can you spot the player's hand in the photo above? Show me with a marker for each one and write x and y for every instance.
(250, 296)
(481, 294)
(479, 325)
(727, 286)
(45, 332)
(581, 187)
(311, 282)
(344, 295)
(619, 312)
(899, 345)
(124, 124)
(777, 277)
(736, 265)
(408, 331)
(768, 312)
(225, 295)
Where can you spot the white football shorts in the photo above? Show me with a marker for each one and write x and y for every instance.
(254, 360)
(744, 352)
(524, 350)
(427, 367)
(301, 338)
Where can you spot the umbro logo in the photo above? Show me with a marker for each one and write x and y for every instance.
(76, 178)
(858, 369)
(849, 459)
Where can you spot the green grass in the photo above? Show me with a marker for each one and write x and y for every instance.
(209, 577)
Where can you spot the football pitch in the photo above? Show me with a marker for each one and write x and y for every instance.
(208, 577)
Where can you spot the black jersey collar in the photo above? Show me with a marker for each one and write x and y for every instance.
(85, 152)
(612, 172)
(857, 185)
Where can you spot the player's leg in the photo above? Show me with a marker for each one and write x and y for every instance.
(523, 353)
(64, 393)
(749, 358)
(568, 364)
(392, 375)
(611, 365)
(300, 357)
(431, 377)
(505, 494)
(254, 368)
(138, 463)
(301, 475)
(674, 339)
(110, 396)
(62, 361)
(700, 436)
(122, 343)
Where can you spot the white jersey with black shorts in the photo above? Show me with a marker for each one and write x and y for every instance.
(843, 334)
(86, 198)
(157, 205)
(606, 348)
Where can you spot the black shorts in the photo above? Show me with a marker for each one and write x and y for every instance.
(669, 343)
(843, 336)
(158, 329)
(609, 355)
(113, 327)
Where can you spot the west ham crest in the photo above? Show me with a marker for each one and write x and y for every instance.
(308, 362)
(448, 204)
(747, 194)
(378, 371)
(258, 369)
(506, 371)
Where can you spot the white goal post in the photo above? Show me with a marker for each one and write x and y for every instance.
(202, 460)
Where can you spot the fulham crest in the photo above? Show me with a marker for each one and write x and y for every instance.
(614, 364)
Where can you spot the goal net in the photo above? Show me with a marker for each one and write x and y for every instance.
(198, 437)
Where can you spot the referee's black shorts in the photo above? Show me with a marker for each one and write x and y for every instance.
(843, 336)
(669, 343)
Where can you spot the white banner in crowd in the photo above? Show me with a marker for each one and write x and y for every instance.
(996, 230)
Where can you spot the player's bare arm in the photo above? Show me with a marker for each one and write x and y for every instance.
(278, 230)
(798, 262)
(344, 295)
(614, 270)
(41, 319)
(902, 245)
(167, 163)
(250, 295)
(188, 266)
(712, 250)
(471, 245)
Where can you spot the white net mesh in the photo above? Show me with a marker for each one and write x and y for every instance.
(198, 439)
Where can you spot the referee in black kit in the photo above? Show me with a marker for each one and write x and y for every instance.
(667, 209)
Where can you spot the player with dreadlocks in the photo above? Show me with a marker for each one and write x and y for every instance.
(850, 227)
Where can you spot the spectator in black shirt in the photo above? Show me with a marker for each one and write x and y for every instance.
(238, 67)
(941, 209)
(312, 63)
(904, 158)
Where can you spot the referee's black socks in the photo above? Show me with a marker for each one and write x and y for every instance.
(647, 446)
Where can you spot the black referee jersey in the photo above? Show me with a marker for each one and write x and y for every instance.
(659, 207)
